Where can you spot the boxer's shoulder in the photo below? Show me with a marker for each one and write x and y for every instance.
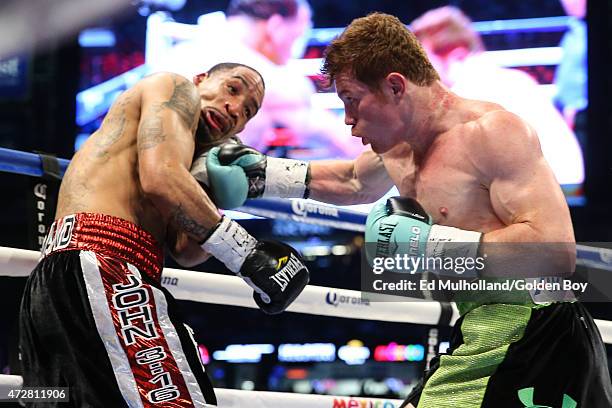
(496, 128)
(502, 140)
(171, 91)
(168, 83)
(494, 118)
(166, 77)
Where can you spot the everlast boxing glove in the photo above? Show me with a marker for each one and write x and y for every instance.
(235, 172)
(400, 226)
(274, 270)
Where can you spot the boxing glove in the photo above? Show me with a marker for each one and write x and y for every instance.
(237, 172)
(400, 226)
(274, 270)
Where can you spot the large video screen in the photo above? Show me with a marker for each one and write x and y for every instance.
(528, 57)
(531, 61)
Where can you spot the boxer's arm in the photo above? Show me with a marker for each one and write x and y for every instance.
(170, 107)
(345, 182)
(526, 197)
(184, 250)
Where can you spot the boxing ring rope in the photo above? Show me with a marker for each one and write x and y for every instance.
(308, 211)
(230, 290)
(316, 300)
(229, 398)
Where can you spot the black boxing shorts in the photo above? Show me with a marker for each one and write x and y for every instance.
(95, 318)
(517, 356)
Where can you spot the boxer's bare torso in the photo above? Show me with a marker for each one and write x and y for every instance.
(448, 182)
(484, 173)
(136, 166)
(103, 175)
(480, 167)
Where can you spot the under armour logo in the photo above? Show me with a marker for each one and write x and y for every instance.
(526, 397)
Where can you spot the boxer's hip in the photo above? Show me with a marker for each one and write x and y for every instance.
(505, 355)
(95, 300)
(107, 236)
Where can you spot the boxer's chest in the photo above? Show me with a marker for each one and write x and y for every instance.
(448, 187)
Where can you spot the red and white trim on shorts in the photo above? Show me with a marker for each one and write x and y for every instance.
(142, 343)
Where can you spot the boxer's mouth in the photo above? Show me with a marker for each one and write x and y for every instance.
(217, 121)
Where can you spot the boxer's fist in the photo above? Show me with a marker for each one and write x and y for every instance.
(402, 227)
(398, 226)
(198, 167)
(277, 274)
(237, 172)
(274, 270)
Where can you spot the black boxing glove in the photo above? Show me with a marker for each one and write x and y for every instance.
(274, 270)
(277, 270)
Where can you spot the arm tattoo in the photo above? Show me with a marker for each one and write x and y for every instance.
(151, 132)
(187, 224)
(185, 101)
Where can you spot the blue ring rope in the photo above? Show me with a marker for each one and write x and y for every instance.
(29, 164)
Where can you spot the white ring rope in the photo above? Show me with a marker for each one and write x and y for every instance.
(228, 398)
(230, 290)
(265, 399)
(319, 300)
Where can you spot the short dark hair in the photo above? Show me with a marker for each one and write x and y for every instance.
(372, 47)
(264, 9)
(225, 66)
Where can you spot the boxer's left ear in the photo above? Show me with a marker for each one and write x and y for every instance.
(396, 83)
(197, 79)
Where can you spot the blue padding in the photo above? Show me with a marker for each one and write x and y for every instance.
(28, 164)
(306, 211)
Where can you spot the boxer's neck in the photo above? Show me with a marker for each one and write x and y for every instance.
(433, 115)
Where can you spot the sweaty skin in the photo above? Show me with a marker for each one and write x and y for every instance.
(136, 166)
(470, 164)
